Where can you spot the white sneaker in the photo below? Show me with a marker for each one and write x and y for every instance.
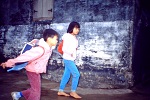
(14, 95)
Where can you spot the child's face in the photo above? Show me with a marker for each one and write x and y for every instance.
(52, 41)
(76, 30)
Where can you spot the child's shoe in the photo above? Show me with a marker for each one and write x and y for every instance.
(15, 95)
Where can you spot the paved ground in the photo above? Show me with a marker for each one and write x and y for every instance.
(17, 81)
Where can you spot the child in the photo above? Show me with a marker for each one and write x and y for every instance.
(70, 44)
(37, 58)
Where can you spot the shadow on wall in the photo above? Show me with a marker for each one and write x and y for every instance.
(2, 58)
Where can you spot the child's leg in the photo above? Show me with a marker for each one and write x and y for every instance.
(34, 92)
(64, 80)
(74, 71)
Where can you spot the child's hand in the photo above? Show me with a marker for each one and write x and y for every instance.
(3, 65)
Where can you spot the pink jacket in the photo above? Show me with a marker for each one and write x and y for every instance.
(70, 44)
(37, 58)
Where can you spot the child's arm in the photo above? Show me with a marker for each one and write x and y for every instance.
(29, 55)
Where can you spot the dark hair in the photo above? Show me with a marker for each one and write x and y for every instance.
(49, 33)
(72, 25)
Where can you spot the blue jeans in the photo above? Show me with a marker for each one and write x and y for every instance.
(70, 68)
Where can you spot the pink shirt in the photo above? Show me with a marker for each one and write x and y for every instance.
(70, 45)
(37, 58)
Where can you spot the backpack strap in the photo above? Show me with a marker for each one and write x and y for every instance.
(43, 52)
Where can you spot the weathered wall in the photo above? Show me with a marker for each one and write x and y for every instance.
(15, 12)
(92, 10)
(104, 53)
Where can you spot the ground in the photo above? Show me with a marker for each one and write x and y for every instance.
(17, 81)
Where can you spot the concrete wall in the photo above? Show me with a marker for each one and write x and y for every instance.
(104, 53)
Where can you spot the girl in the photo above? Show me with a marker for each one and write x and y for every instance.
(70, 44)
(37, 58)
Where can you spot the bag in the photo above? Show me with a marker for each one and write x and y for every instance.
(59, 48)
(27, 46)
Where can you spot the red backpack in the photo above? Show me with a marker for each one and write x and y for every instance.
(59, 48)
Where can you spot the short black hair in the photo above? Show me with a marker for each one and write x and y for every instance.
(72, 25)
(49, 33)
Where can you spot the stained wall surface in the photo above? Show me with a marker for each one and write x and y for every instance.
(105, 39)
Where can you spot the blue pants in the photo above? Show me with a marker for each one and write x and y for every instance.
(70, 68)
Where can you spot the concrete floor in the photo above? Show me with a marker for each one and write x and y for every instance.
(17, 81)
